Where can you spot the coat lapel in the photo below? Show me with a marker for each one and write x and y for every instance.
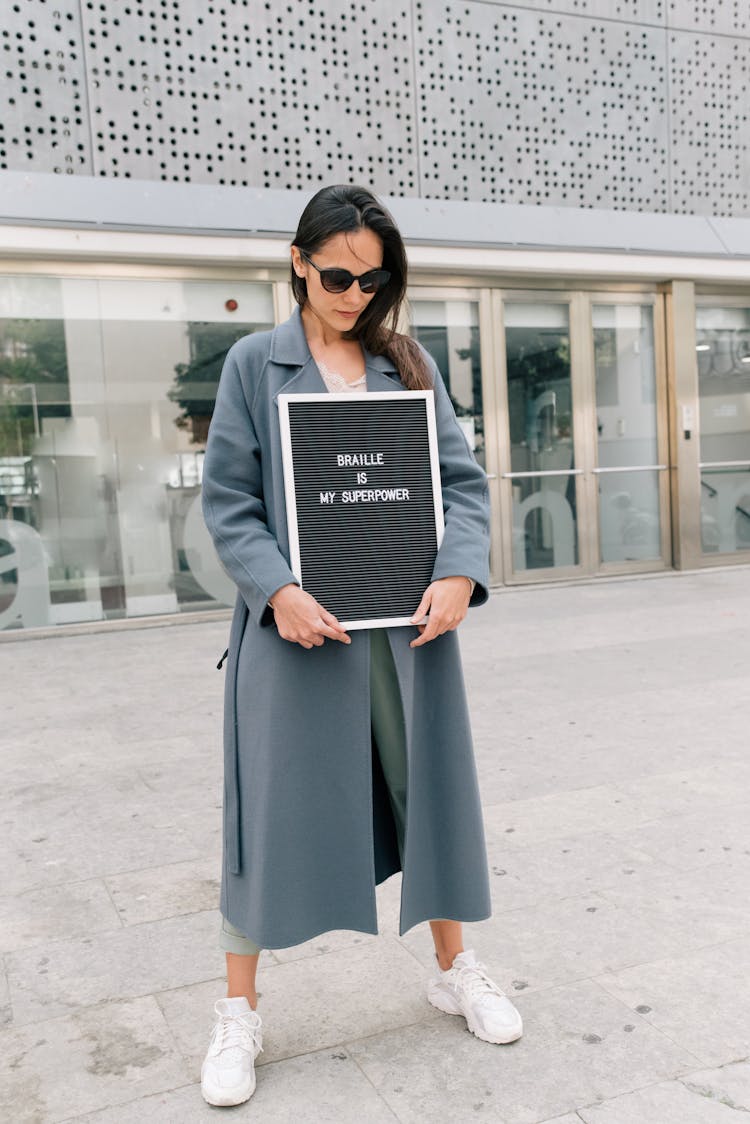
(289, 349)
(305, 380)
(381, 377)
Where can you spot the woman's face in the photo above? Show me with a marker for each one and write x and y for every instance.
(358, 251)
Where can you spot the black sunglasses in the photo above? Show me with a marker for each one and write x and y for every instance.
(339, 280)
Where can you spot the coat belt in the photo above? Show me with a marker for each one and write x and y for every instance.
(231, 751)
(232, 810)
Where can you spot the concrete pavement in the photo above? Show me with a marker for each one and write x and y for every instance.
(612, 723)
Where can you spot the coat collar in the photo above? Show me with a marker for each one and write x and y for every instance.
(289, 347)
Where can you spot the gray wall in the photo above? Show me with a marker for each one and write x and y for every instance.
(631, 104)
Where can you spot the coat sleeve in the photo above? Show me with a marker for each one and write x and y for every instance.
(232, 498)
(466, 543)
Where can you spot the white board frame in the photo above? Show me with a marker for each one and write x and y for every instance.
(287, 456)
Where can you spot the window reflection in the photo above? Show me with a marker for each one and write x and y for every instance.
(106, 394)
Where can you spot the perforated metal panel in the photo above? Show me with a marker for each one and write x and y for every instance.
(268, 94)
(525, 107)
(635, 104)
(722, 17)
(709, 80)
(44, 123)
(630, 11)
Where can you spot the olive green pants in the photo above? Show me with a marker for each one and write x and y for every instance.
(388, 734)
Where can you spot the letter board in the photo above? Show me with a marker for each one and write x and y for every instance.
(363, 500)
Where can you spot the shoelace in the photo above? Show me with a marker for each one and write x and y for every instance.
(478, 985)
(232, 1032)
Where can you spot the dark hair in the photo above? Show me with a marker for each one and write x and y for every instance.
(343, 209)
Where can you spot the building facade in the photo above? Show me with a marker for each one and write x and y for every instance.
(572, 178)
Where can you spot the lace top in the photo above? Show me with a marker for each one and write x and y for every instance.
(336, 383)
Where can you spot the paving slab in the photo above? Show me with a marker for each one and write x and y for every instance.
(59, 834)
(673, 606)
(338, 996)
(330, 1083)
(614, 669)
(701, 1000)
(564, 867)
(183, 1105)
(95, 1057)
(165, 891)
(672, 792)
(558, 941)
(675, 1102)
(728, 1085)
(326, 1087)
(578, 1046)
(571, 812)
(698, 907)
(696, 839)
(31, 757)
(67, 910)
(515, 764)
(143, 959)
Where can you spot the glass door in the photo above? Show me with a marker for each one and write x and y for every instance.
(723, 350)
(582, 433)
(541, 494)
(631, 467)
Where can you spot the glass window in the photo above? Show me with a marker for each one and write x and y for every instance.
(723, 352)
(450, 332)
(106, 391)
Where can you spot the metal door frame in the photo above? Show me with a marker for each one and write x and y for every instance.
(585, 446)
(571, 299)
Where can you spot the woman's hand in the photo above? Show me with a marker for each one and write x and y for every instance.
(301, 620)
(447, 600)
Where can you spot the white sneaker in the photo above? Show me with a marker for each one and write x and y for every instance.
(466, 989)
(228, 1070)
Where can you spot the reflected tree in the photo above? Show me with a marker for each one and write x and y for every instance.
(33, 380)
(538, 360)
(196, 382)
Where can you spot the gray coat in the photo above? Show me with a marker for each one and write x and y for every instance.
(308, 830)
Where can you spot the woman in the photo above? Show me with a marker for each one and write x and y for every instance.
(347, 757)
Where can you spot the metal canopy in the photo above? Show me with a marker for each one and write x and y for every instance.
(87, 202)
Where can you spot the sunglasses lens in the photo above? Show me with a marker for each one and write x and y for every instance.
(336, 280)
(373, 281)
